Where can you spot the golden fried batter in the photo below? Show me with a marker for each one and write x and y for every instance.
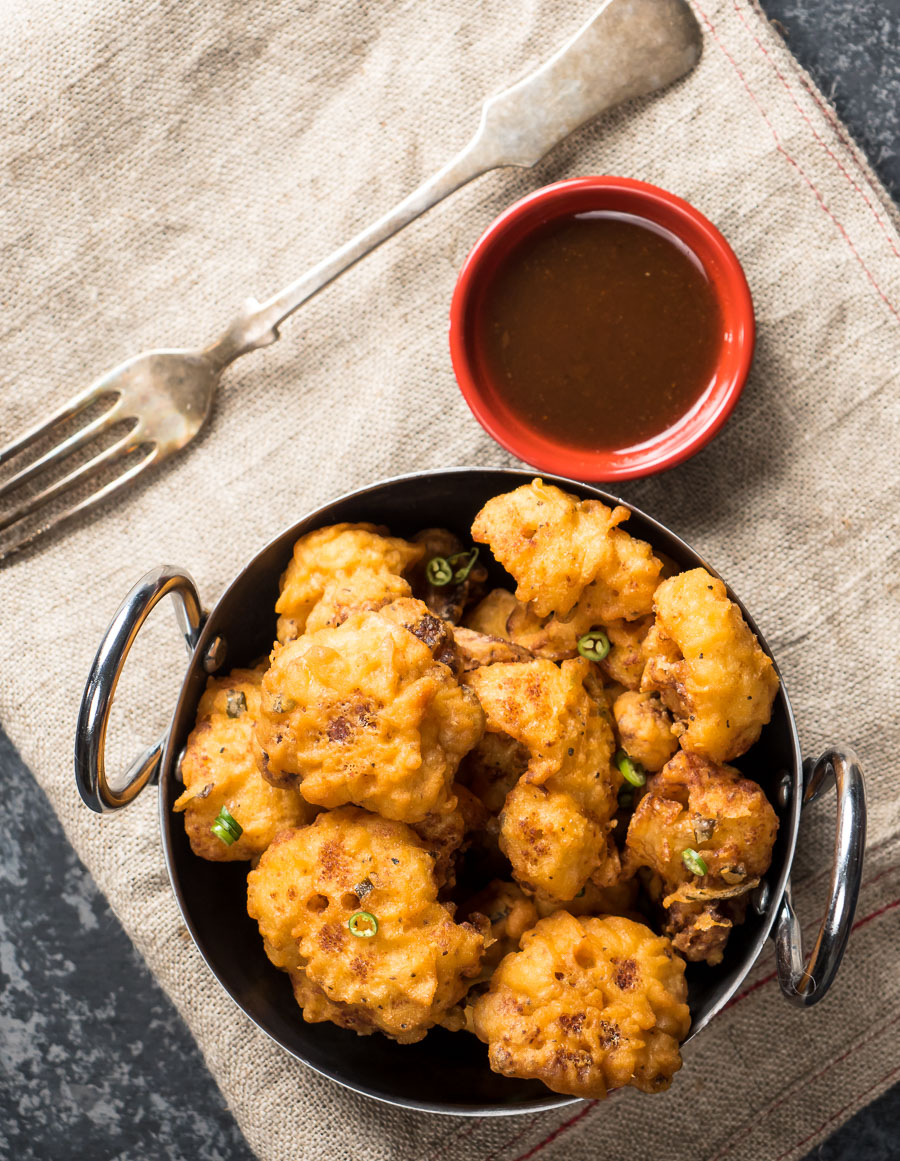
(219, 769)
(364, 590)
(586, 1006)
(617, 899)
(561, 551)
(695, 805)
(328, 553)
(500, 615)
(708, 666)
(477, 649)
(311, 882)
(624, 664)
(510, 913)
(644, 727)
(493, 768)
(555, 821)
(443, 832)
(363, 713)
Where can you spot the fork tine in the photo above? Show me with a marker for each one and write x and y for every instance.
(88, 502)
(67, 411)
(109, 455)
(73, 443)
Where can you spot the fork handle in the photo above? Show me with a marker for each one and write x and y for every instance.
(257, 324)
(626, 49)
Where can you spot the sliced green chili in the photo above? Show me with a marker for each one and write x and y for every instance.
(630, 770)
(363, 932)
(226, 828)
(594, 645)
(470, 556)
(694, 862)
(439, 571)
(235, 703)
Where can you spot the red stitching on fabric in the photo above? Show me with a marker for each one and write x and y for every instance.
(821, 140)
(802, 1083)
(556, 1132)
(781, 149)
(741, 995)
(839, 1113)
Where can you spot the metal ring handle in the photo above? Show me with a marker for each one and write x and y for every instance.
(96, 701)
(807, 985)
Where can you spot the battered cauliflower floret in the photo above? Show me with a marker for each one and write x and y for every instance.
(311, 883)
(477, 649)
(328, 553)
(644, 727)
(500, 615)
(562, 551)
(624, 664)
(317, 1008)
(364, 714)
(493, 768)
(708, 666)
(715, 813)
(618, 898)
(586, 1006)
(510, 913)
(555, 821)
(415, 616)
(219, 769)
(362, 591)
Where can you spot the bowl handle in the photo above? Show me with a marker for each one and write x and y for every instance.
(807, 985)
(96, 701)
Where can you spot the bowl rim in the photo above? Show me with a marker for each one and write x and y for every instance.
(171, 755)
(702, 422)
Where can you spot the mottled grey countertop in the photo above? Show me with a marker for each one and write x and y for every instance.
(94, 1061)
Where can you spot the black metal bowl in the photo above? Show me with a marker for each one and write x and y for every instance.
(445, 1072)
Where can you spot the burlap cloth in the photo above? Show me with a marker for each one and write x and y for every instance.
(163, 159)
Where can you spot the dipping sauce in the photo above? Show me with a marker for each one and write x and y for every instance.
(601, 331)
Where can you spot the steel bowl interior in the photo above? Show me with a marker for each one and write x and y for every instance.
(445, 1072)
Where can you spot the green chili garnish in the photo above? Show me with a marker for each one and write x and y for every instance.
(462, 573)
(235, 703)
(630, 770)
(282, 705)
(694, 862)
(594, 645)
(363, 932)
(438, 571)
(226, 828)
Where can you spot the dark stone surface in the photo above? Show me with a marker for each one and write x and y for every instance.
(94, 1061)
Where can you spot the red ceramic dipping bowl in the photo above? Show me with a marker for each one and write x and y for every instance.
(622, 195)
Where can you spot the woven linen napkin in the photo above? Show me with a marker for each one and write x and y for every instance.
(163, 159)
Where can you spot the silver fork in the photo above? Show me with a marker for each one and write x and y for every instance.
(627, 49)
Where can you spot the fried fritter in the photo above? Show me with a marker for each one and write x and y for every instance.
(586, 1006)
(493, 768)
(443, 832)
(500, 615)
(363, 713)
(563, 551)
(555, 821)
(446, 601)
(708, 666)
(510, 913)
(695, 805)
(477, 649)
(335, 552)
(617, 899)
(644, 727)
(624, 664)
(311, 882)
(415, 616)
(219, 769)
(362, 591)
